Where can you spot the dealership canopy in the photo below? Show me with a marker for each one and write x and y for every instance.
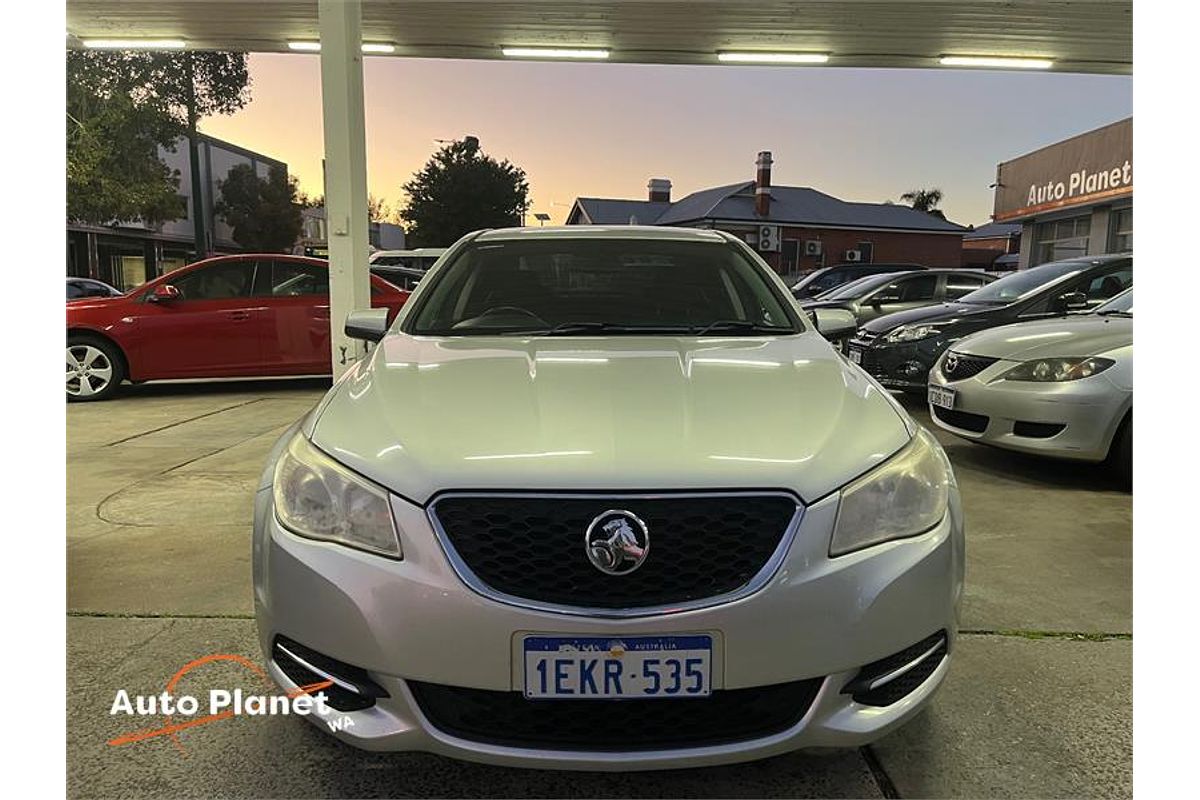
(1076, 36)
(1034, 34)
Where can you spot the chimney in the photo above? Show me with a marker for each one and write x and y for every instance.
(660, 190)
(762, 185)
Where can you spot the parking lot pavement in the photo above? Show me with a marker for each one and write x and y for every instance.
(159, 486)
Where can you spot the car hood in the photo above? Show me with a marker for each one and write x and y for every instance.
(943, 312)
(1084, 335)
(423, 415)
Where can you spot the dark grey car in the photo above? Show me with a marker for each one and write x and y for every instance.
(876, 295)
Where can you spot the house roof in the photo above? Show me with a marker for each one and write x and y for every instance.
(995, 230)
(794, 205)
(603, 211)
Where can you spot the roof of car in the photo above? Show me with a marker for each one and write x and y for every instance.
(661, 233)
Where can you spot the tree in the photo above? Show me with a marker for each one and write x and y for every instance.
(170, 87)
(114, 173)
(263, 212)
(461, 190)
(377, 208)
(924, 200)
(310, 201)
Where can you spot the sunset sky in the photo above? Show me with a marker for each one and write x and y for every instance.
(602, 130)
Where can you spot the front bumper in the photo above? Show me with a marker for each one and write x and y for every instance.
(1073, 419)
(415, 620)
(900, 365)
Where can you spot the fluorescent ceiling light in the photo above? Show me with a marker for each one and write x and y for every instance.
(753, 57)
(552, 52)
(135, 44)
(996, 62)
(367, 47)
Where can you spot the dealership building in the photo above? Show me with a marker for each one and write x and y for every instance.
(1071, 198)
(794, 228)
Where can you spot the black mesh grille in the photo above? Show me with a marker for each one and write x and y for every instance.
(903, 685)
(965, 366)
(868, 355)
(508, 718)
(964, 420)
(533, 547)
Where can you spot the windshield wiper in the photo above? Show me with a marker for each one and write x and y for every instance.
(1114, 313)
(742, 326)
(574, 328)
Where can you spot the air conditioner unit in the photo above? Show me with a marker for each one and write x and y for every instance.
(812, 247)
(853, 256)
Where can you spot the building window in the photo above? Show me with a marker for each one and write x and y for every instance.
(866, 252)
(791, 256)
(1120, 228)
(1062, 238)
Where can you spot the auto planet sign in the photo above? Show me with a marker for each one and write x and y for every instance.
(1085, 169)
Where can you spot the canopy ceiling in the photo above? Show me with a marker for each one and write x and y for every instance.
(1080, 36)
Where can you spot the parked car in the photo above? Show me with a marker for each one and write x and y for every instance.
(405, 278)
(78, 288)
(1059, 387)
(877, 295)
(567, 451)
(826, 278)
(231, 316)
(421, 258)
(899, 349)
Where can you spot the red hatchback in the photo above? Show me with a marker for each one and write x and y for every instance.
(225, 317)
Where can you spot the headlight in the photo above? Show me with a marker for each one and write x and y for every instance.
(911, 333)
(318, 498)
(905, 496)
(1057, 369)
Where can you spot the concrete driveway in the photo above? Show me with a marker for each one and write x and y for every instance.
(159, 485)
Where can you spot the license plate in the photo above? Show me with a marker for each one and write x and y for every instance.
(856, 355)
(941, 397)
(611, 668)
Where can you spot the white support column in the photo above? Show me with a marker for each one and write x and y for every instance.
(345, 172)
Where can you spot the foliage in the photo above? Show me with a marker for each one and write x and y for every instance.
(122, 106)
(310, 201)
(114, 173)
(924, 200)
(263, 212)
(215, 82)
(461, 190)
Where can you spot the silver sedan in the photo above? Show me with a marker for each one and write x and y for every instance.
(1061, 387)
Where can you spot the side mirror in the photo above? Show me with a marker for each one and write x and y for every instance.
(833, 323)
(1073, 301)
(369, 325)
(164, 293)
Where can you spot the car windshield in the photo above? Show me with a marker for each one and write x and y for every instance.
(858, 288)
(1014, 287)
(580, 286)
(822, 280)
(1120, 305)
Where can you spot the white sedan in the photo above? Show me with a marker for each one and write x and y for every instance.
(1061, 387)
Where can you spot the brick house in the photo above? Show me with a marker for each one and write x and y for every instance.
(987, 245)
(795, 228)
